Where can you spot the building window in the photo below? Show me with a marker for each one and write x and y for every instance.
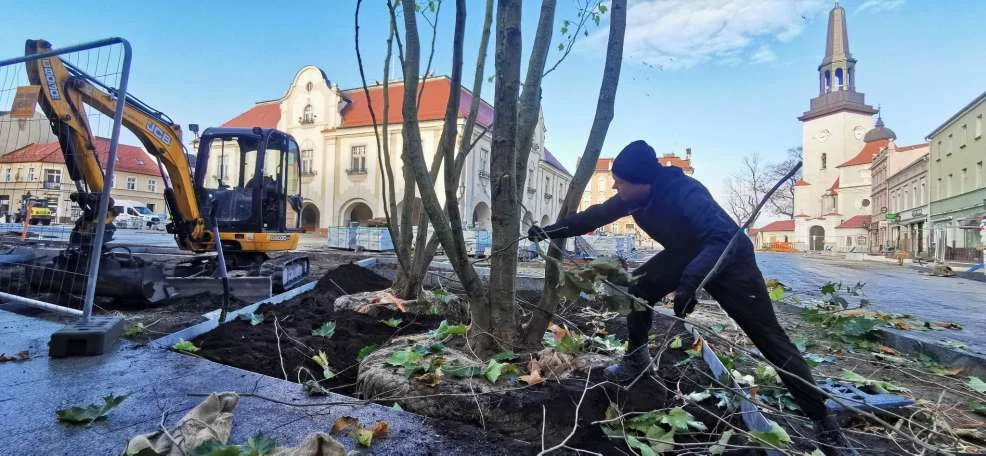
(357, 159)
(309, 86)
(307, 116)
(979, 126)
(131, 183)
(824, 160)
(306, 162)
(979, 174)
(948, 186)
(923, 192)
(53, 176)
(6, 175)
(941, 188)
(601, 183)
(962, 178)
(965, 136)
(30, 174)
(151, 185)
(914, 195)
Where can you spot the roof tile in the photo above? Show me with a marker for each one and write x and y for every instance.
(780, 225)
(859, 221)
(866, 154)
(131, 159)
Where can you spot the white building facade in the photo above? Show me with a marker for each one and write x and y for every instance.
(342, 178)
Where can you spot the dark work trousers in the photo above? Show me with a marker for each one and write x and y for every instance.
(740, 289)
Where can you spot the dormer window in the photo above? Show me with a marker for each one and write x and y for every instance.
(309, 86)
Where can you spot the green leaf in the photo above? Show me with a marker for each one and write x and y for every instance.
(977, 384)
(602, 8)
(458, 370)
(404, 357)
(256, 319)
(326, 330)
(829, 288)
(561, 46)
(260, 445)
(720, 446)
(698, 396)
(570, 344)
(636, 444)
(397, 407)
(978, 407)
(392, 322)
(776, 293)
(363, 436)
(801, 342)
(92, 412)
(493, 370)
(660, 441)
(446, 330)
(313, 388)
(676, 342)
(858, 326)
(766, 375)
(216, 448)
(678, 419)
(365, 351)
(776, 437)
(505, 356)
(184, 346)
(323, 362)
(135, 330)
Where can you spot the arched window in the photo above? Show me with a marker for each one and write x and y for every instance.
(838, 78)
(307, 116)
(828, 81)
(824, 160)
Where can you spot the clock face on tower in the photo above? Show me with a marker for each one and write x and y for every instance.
(858, 132)
(822, 135)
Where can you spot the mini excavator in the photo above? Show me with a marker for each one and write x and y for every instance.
(245, 183)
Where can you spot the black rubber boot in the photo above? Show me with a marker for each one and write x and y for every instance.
(829, 438)
(633, 363)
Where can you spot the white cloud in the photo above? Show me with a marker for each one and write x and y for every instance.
(763, 55)
(679, 34)
(880, 5)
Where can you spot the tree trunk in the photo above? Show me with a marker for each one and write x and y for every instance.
(534, 330)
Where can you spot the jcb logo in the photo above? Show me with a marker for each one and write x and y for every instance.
(158, 133)
(50, 79)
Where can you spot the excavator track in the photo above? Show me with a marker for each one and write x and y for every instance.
(285, 271)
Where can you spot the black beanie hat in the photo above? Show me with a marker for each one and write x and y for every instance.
(636, 163)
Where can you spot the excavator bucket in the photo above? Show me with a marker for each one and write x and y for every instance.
(122, 276)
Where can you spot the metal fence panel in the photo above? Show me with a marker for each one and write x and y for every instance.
(37, 211)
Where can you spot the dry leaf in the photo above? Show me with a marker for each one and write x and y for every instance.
(394, 299)
(534, 378)
(345, 423)
(431, 378)
(902, 325)
(380, 429)
(887, 350)
(19, 356)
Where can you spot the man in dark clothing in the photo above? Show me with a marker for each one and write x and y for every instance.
(679, 213)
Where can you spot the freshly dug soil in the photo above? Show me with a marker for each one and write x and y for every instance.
(255, 348)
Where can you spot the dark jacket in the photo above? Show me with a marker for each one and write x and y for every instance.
(681, 215)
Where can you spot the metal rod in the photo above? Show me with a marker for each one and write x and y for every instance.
(104, 200)
(66, 50)
(41, 305)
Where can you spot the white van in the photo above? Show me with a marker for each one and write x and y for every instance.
(134, 214)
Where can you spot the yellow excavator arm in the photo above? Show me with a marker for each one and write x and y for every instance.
(65, 90)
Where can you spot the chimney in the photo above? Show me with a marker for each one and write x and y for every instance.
(688, 153)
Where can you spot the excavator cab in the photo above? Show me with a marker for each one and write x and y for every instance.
(247, 181)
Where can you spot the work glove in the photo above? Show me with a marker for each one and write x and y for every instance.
(536, 234)
(684, 301)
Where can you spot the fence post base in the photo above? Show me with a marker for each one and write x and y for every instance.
(86, 338)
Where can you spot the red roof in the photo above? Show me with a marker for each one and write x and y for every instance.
(835, 186)
(131, 159)
(434, 98)
(604, 164)
(673, 160)
(866, 155)
(780, 225)
(263, 115)
(908, 148)
(801, 183)
(802, 215)
(859, 221)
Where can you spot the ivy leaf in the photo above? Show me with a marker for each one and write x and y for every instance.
(446, 330)
(323, 362)
(569, 344)
(260, 445)
(256, 319)
(326, 330)
(493, 371)
(92, 412)
(661, 441)
(676, 342)
(392, 322)
(720, 446)
(216, 448)
(679, 419)
(397, 407)
(184, 346)
(777, 436)
(363, 436)
(459, 370)
(365, 351)
(636, 444)
(602, 8)
(505, 356)
(801, 342)
(403, 358)
(977, 384)
(828, 288)
(561, 46)
(776, 293)
(135, 330)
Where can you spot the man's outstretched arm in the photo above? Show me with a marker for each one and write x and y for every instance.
(583, 222)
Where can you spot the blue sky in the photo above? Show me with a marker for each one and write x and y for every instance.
(725, 77)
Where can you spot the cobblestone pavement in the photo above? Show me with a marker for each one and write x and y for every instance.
(891, 288)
